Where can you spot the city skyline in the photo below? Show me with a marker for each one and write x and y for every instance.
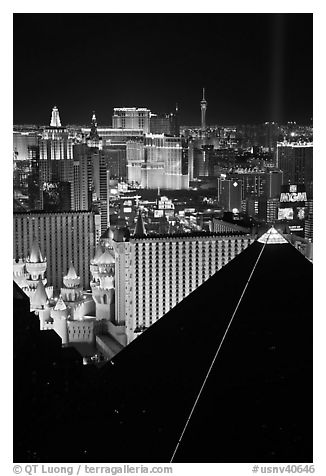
(163, 238)
(254, 67)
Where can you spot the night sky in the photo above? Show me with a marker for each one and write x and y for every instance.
(255, 67)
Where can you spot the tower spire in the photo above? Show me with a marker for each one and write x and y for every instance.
(93, 135)
(55, 118)
(203, 107)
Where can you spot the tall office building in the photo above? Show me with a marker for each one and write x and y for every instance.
(83, 180)
(56, 164)
(296, 162)
(154, 273)
(131, 118)
(203, 107)
(63, 237)
(33, 179)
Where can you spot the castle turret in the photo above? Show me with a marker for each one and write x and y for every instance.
(59, 314)
(35, 266)
(20, 274)
(103, 285)
(94, 263)
(72, 291)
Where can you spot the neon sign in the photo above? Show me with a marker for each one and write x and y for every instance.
(293, 197)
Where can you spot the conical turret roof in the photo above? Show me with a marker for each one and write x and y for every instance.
(106, 258)
(140, 227)
(35, 255)
(71, 272)
(60, 305)
(98, 253)
(40, 297)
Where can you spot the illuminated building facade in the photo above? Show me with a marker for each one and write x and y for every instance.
(133, 118)
(135, 151)
(293, 207)
(156, 162)
(63, 237)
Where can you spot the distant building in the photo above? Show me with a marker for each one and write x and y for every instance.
(137, 118)
(296, 162)
(22, 140)
(115, 136)
(33, 179)
(83, 176)
(258, 183)
(165, 123)
(229, 193)
(56, 163)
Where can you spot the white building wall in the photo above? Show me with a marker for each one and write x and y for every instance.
(163, 271)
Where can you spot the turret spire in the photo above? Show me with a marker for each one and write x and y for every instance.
(55, 118)
(35, 255)
(72, 272)
(140, 227)
(40, 298)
